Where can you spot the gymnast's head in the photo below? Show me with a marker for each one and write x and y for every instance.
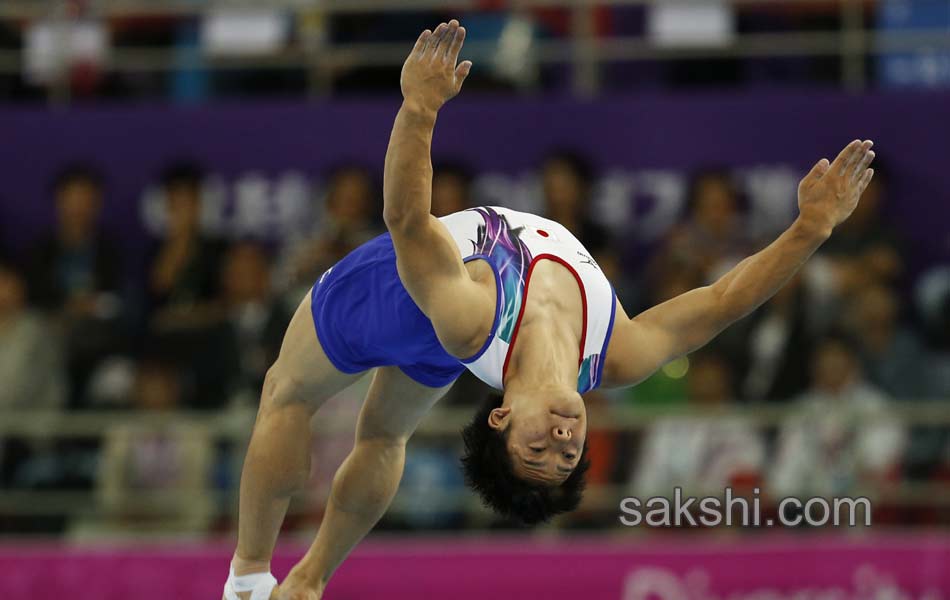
(526, 456)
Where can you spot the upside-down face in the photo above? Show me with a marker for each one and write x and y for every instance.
(545, 434)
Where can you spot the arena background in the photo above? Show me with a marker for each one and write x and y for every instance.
(669, 136)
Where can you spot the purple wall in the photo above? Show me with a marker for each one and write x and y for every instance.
(912, 131)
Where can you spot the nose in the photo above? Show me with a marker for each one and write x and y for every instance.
(561, 433)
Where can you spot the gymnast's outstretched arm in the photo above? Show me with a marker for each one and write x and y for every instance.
(429, 262)
(826, 197)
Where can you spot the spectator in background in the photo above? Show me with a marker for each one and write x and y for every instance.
(183, 272)
(567, 180)
(865, 248)
(939, 373)
(31, 378)
(780, 339)
(256, 317)
(863, 252)
(451, 189)
(696, 452)
(932, 304)
(842, 433)
(349, 218)
(666, 386)
(186, 322)
(892, 356)
(31, 367)
(171, 458)
(712, 238)
(74, 272)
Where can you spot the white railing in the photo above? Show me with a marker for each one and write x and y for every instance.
(583, 50)
(442, 423)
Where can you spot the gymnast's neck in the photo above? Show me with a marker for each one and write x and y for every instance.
(544, 357)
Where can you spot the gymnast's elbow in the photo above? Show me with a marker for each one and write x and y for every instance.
(403, 217)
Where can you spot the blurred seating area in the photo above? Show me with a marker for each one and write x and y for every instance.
(131, 381)
(79, 50)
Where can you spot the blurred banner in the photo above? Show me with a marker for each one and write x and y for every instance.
(264, 156)
(784, 567)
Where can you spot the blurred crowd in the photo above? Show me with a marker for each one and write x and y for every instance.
(842, 347)
(188, 54)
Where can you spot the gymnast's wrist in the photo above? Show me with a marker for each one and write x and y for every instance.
(419, 111)
(811, 228)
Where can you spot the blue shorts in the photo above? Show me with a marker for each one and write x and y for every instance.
(365, 318)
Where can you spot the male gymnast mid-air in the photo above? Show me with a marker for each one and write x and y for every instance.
(433, 297)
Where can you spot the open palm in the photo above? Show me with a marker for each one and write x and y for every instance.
(431, 76)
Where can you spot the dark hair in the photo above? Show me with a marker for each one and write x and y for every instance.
(576, 162)
(712, 173)
(488, 470)
(184, 173)
(460, 174)
(457, 170)
(77, 173)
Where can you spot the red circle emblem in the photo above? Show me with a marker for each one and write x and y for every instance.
(542, 233)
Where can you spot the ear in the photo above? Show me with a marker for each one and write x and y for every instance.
(498, 418)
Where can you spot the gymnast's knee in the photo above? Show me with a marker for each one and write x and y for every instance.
(283, 392)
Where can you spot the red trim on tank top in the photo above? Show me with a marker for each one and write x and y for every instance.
(524, 302)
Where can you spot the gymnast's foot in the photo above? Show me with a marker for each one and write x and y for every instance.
(294, 587)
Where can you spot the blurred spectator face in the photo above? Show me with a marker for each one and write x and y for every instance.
(449, 193)
(834, 367)
(875, 312)
(78, 201)
(564, 188)
(12, 292)
(714, 204)
(183, 205)
(350, 197)
(710, 381)
(246, 275)
(156, 388)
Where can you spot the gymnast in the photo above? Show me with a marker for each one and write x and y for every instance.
(432, 297)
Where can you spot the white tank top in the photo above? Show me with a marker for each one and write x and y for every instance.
(512, 243)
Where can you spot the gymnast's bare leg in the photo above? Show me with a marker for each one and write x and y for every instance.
(278, 459)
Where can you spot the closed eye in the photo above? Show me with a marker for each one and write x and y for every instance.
(537, 450)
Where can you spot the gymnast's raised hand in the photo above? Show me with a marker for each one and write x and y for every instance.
(430, 76)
